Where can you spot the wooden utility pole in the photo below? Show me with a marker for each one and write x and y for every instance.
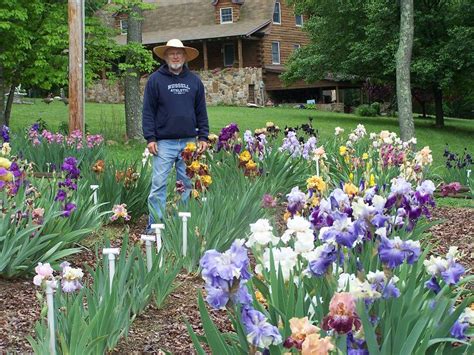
(76, 65)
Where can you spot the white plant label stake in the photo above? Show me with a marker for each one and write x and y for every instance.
(157, 228)
(184, 216)
(149, 239)
(94, 189)
(468, 173)
(50, 287)
(111, 252)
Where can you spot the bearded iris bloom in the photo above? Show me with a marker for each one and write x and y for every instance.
(393, 252)
(225, 275)
(342, 317)
(260, 332)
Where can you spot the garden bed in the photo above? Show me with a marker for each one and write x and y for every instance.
(164, 329)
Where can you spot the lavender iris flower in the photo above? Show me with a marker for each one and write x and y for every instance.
(259, 331)
(458, 330)
(326, 254)
(393, 252)
(453, 273)
(296, 200)
(433, 285)
(225, 275)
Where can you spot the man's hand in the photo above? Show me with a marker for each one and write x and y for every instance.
(202, 146)
(152, 148)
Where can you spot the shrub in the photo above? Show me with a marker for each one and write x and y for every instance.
(366, 111)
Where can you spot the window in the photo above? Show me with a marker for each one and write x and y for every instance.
(123, 26)
(299, 20)
(275, 52)
(229, 56)
(277, 13)
(226, 15)
(296, 46)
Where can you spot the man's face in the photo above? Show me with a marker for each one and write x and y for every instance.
(175, 58)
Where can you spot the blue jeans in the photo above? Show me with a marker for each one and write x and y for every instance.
(169, 153)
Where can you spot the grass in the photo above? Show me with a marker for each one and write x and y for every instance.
(108, 119)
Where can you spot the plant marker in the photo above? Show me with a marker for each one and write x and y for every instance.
(94, 188)
(184, 216)
(468, 173)
(50, 287)
(149, 239)
(158, 228)
(111, 252)
(204, 199)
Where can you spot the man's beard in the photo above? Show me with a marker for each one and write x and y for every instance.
(176, 66)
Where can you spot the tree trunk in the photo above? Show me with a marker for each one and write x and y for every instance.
(403, 58)
(8, 108)
(2, 97)
(133, 102)
(438, 99)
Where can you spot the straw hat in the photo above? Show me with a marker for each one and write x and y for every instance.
(191, 53)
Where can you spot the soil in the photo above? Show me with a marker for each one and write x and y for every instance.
(164, 330)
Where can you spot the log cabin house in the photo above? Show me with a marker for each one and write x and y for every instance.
(243, 45)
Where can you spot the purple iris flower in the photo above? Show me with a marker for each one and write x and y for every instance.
(259, 331)
(327, 254)
(453, 273)
(35, 127)
(68, 209)
(5, 132)
(68, 183)
(60, 195)
(70, 166)
(433, 285)
(458, 330)
(15, 169)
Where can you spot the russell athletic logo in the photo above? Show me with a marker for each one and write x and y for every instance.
(178, 89)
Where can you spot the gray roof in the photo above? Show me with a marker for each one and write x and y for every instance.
(195, 20)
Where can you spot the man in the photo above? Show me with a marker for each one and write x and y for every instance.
(174, 113)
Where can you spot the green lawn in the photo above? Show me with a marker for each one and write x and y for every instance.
(108, 119)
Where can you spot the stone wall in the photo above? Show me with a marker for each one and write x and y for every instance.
(230, 86)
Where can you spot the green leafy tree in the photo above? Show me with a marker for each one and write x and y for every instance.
(34, 44)
(137, 61)
(359, 40)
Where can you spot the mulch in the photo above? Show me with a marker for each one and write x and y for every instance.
(164, 329)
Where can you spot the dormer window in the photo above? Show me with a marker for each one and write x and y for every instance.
(277, 13)
(299, 20)
(123, 26)
(226, 15)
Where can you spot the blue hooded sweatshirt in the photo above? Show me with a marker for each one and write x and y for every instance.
(174, 106)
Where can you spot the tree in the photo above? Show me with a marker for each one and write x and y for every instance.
(403, 59)
(34, 42)
(32, 46)
(137, 60)
(133, 102)
(358, 40)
